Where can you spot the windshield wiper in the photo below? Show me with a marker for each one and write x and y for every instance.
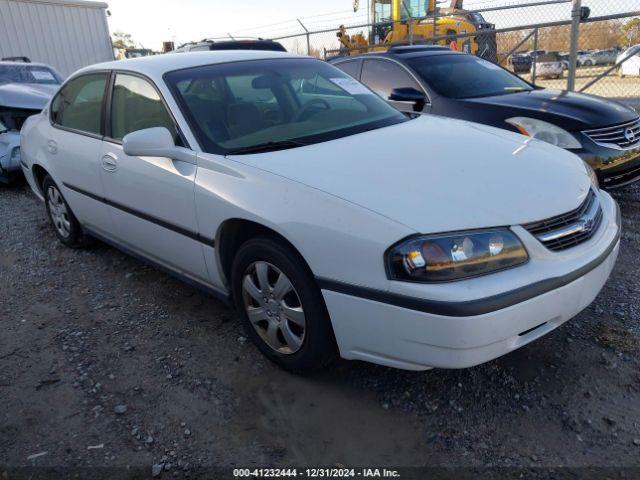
(267, 147)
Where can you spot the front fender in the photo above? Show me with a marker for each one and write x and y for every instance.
(338, 239)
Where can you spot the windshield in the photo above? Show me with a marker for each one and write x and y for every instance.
(548, 57)
(466, 76)
(290, 102)
(28, 74)
(635, 50)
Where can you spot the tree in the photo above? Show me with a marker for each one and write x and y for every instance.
(631, 32)
(593, 36)
(123, 41)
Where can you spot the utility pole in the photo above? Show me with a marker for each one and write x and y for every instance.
(576, 16)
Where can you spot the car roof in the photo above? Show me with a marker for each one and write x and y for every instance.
(26, 64)
(405, 53)
(156, 66)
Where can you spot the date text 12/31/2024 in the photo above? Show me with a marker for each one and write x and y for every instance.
(315, 473)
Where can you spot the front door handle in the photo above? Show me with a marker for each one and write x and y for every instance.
(110, 162)
(52, 147)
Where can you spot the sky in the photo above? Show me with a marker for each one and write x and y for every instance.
(153, 21)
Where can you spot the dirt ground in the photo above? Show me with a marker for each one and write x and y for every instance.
(105, 362)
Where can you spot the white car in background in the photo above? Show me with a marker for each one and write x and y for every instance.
(630, 67)
(549, 65)
(320, 215)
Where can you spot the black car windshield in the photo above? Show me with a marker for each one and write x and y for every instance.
(28, 74)
(239, 107)
(466, 76)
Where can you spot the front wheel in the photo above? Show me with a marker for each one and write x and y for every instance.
(281, 306)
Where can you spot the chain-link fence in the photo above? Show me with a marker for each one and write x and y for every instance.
(531, 38)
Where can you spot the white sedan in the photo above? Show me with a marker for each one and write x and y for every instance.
(629, 62)
(335, 224)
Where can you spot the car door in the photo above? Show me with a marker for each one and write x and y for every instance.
(74, 147)
(152, 199)
(383, 76)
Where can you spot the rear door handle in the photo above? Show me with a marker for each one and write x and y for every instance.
(110, 162)
(52, 147)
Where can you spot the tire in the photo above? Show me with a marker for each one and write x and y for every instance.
(305, 345)
(64, 222)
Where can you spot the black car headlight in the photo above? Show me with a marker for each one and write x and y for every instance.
(547, 132)
(455, 256)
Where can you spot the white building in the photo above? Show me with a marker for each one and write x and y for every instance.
(66, 34)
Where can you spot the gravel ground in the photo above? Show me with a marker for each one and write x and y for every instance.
(106, 362)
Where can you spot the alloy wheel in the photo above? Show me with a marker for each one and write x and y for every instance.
(273, 307)
(58, 212)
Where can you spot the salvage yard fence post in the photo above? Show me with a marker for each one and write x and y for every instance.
(308, 36)
(536, 37)
(576, 14)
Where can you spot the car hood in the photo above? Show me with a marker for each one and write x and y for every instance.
(29, 96)
(434, 174)
(573, 111)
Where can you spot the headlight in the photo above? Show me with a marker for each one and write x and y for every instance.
(593, 176)
(448, 257)
(15, 155)
(545, 131)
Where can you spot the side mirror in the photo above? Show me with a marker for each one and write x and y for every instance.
(155, 142)
(409, 95)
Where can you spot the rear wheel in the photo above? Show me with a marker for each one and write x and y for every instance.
(281, 307)
(64, 222)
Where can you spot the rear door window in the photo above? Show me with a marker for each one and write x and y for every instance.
(78, 106)
(382, 76)
(351, 68)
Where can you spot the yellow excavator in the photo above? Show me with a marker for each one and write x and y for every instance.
(398, 21)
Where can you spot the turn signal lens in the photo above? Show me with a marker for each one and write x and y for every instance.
(449, 257)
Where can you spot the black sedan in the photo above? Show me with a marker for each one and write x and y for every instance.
(436, 80)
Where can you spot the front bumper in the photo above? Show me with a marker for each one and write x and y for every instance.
(403, 336)
(615, 168)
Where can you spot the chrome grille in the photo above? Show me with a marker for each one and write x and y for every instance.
(622, 136)
(571, 229)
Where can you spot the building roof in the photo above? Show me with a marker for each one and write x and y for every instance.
(71, 3)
